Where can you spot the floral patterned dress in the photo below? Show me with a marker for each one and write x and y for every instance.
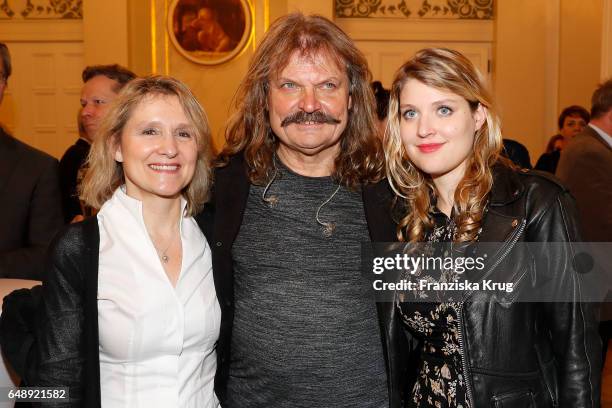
(441, 382)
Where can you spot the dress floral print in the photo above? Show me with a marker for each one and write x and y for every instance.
(440, 382)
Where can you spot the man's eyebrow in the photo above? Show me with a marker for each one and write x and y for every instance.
(326, 79)
(330, 79)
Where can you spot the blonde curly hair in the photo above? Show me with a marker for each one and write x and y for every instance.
(446, 70)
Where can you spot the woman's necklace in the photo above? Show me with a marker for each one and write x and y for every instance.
(163, 255)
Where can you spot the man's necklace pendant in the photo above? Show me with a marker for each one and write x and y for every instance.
(328, 229)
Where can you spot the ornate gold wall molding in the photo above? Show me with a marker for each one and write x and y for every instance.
(41, 9)
(5, 10)
(415, 9)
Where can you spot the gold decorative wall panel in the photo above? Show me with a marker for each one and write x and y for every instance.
(41, 9)
(415, 9)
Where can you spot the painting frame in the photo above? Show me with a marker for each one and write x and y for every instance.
(210, 32)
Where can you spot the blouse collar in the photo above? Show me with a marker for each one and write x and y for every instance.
(134, 206)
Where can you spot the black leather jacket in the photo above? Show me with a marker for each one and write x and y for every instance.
(518, 354)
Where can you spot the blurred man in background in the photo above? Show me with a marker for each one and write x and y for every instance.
(30, 208)
(101, 84)
(586, 169)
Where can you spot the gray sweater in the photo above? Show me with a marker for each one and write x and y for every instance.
(305, 329)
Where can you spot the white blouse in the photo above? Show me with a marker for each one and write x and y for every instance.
(157, 342)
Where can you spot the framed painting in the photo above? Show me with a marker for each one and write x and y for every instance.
(210, 32)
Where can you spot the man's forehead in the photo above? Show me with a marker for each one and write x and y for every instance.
(100, 84)
(311, 59)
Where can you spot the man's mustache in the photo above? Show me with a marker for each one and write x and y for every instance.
(303, 117)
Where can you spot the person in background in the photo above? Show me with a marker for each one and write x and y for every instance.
(101, 84)
(556, 143)
(586, 169)
(571, 122)
(382, 105)
(517, 153)
(30, 208)
(550, 158)
(443, 161)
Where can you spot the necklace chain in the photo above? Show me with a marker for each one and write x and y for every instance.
(328, 228)
(163, 256)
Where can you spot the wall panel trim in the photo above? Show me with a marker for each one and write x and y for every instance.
(41, 30)
(425, 30)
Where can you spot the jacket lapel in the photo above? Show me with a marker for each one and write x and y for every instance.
(500, 229)
(230, 196)
(377, 202)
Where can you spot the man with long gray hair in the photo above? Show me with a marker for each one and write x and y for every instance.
(297, 191)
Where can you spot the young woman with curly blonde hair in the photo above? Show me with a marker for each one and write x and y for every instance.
(442, 147)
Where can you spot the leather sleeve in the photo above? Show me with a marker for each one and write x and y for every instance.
(572, 325)
(61, 337)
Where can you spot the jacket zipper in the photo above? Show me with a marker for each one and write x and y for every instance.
(459, 309)
(517, 233)
(466, 373)
(515, 238)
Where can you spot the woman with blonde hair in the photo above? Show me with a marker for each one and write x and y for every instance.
(442, 147)
(130, 313)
